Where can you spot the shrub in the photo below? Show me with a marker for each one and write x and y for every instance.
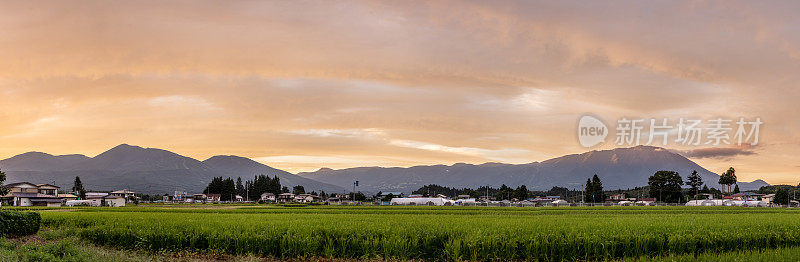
(19, 223)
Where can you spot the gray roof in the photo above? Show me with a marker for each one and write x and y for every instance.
(48, 200)
(32, 195)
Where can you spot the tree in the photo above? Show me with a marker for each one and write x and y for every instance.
(226, 188)
(298, 189)
(598, 189)
(695, 181)
(727, 179)
(358, 196)
(285, 190)
(388, 197)
(666, 185)
(77, 188)
(521, 193)
(705, 189)
(736, 189)
(240, 190)
(504, 193)
(594, 190)
(589, 191)
(781, 196)
(3, 189)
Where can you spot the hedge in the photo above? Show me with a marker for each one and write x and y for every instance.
(13, 223)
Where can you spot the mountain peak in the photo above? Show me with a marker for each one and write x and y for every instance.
(125, 147)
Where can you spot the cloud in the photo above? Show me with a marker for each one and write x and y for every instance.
(718, 152)
(476, 81)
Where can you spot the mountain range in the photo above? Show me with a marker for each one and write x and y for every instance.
(151, 170)
(146, 170)
(619, 168)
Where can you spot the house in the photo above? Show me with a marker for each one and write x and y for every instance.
(239, 198)
(67, 197)
(114, 201)
(28, 194)
(617, 197)
(210, 198)
(464, 197)
(106, 200)
(746, 196)
(285, 197)
(768, 198)
(306, 198)
(486, 198)
(267, 197)
(127, 194)
(200, 197)
(342, 196)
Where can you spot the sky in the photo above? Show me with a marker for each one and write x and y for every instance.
(301, 85)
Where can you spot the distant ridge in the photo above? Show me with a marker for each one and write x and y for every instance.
(146, 170)
(618, 168)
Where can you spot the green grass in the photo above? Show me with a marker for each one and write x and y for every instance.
(440, 233)
(776, 255)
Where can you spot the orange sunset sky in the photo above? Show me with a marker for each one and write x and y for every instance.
(300, 85)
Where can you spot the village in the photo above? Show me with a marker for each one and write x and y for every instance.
(47, 195)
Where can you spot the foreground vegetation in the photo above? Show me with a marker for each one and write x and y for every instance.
(447, 233)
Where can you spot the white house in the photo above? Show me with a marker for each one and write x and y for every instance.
(107, 200)
(268, 197)
(306, 198)
(28, 194)
(127, 194)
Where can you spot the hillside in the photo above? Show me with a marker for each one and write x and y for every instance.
(618, 168)
(146, 170)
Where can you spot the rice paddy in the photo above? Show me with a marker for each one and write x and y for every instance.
(438, 233)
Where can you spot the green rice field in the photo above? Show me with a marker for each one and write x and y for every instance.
(442, 233)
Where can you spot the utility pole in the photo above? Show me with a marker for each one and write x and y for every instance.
(355, 183)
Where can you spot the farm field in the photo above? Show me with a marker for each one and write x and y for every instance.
(440, 233)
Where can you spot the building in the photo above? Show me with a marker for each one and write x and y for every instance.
(617, 197)
(179, 196)
(746, 196)
(285, 197)
(115, 201)
(768, 198)
(95, 194)
(306, 198)
(28, 194)
(267, 197)
(127, 194)
(107, 200)
(211, 198)
(67, 197)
